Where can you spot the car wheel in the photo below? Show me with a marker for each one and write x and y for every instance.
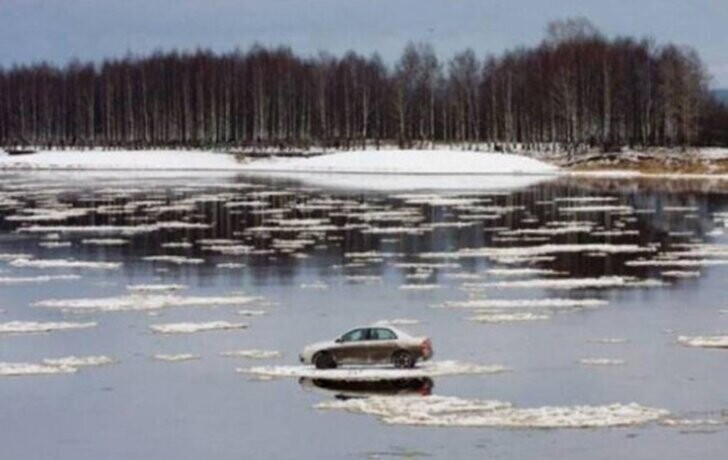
(324, 361)
(403, 360)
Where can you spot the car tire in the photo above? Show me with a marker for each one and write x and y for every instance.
(324, 361)
(403, 359)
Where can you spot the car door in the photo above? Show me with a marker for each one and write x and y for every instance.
(352, 347)
(383, 344)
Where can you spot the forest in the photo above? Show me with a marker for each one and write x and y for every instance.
(577, 90)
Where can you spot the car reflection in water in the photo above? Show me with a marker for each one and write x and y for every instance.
(348, 389)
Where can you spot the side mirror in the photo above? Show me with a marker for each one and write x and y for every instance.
(338, 340)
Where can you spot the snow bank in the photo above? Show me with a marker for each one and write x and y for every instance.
(458, 412)
(409, 162)
(375, 373)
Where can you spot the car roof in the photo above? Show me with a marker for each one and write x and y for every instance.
(396, 330)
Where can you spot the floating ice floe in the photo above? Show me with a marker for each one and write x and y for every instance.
(177, 260)
(676, 263)
(252, 312)
(105, 242)
(315, 285)
(708, 341)
(54, 244)
(175, 358)
(680, 274)
(8, 280)
(155, 287)
(230, 265)
(506, 272)
(353, 373)
(458, 412)
(27, 369)
(30, 327)
(79, 361)
(603, 282)
(495, 318)
(397, 322)
(597, 208)
(47, 215)
(143, 302)
(609, 341)
(419, 287)
(188, 328)
(542, 250)
(601, 362)
(252, 354)
(525, 303)
(64, 263)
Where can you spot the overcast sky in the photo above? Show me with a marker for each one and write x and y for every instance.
(58, 30)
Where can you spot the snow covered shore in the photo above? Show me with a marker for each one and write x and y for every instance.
(115, 160)
(435, 162)
(430, 162)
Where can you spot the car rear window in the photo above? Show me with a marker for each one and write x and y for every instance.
(382, 334)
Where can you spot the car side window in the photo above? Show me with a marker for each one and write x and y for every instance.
(354, 336)
(383, 334)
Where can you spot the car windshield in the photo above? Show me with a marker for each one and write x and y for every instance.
(382, 334)
(355, 335)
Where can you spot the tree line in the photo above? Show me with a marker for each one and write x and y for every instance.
(577, 89)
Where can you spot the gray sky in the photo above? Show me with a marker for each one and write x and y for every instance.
(58, 30)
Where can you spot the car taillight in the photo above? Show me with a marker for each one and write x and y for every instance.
(426, 347)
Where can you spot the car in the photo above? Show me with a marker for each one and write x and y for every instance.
(375, 344)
